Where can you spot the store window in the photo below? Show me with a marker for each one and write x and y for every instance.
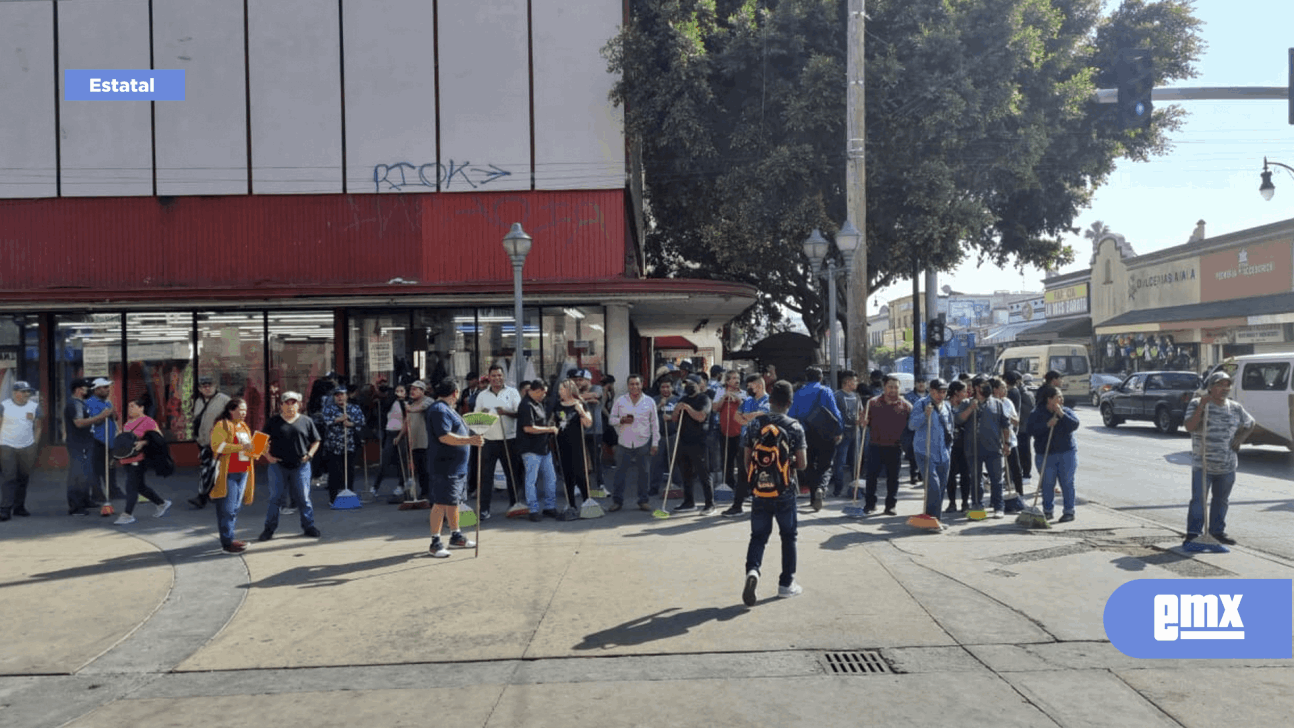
(379, 347)
(300, 352)
(231, 349)
(574, 338)
(159, 347)
(19, 352)
(443, 344)
(86, 345)
(498, 342)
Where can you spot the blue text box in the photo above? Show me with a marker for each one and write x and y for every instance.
(81, 84)
(1201, 618)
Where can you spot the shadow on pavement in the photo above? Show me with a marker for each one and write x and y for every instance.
(325, 575)
(657, 626)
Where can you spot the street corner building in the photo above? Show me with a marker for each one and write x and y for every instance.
(330, 196)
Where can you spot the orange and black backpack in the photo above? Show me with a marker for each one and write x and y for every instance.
(772, 461)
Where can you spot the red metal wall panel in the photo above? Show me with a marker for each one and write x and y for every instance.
(128, 244)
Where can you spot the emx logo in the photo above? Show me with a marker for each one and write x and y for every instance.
(1202, 618)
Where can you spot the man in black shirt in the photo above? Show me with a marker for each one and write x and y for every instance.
(533, 433)
(693, 416)
(294, 438)
(80, 450)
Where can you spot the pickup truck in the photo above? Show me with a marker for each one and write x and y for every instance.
(1160, 397)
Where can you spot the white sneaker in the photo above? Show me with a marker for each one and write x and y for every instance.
(438, 550)
(162, 509)
(124, 519)
(398, 492)
(786, 592)
(999, 513)
(287, 511)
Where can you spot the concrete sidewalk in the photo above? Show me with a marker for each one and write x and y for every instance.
(624, 620)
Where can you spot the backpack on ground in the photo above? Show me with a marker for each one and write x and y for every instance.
(771, 458)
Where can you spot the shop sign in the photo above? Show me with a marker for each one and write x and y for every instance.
(1067, 301)
(381, 356)
(95, 361)
(8, 360)
(1164, 276)
(1260, 335)
(1250, 270)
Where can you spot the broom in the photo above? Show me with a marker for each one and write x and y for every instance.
(106, 508)
(519, 509)
(669, 479)
(977, 513)
(478, 423)
(346, 500)
(411, 483)
(853, 509)
(923, 520)
(1033, 517)
(1204, 543)
(724, 493)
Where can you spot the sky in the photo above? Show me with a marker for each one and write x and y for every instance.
(1212, 171)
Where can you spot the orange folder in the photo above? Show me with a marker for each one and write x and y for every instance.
(260, 441)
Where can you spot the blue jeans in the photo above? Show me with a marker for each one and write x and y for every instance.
(990, 460)
(843, 470)
(1060, 465)
(1221, 491)
(638, 458)
(292, 484)
(936, 483)
(540, 468)
(227, 507)
(762, 513)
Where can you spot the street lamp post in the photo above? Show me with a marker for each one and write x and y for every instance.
(517, 245)
(817, 248)
(1267, 189)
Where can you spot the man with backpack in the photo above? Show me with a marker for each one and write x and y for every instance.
(774, 449)
(815, 408)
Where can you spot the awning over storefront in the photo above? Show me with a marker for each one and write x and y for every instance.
(1274, 309)
(1008, 333)
(1056, 329)
(673, 342)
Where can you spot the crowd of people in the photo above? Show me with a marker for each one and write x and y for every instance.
(763, 439)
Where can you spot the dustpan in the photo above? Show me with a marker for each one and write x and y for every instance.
(852, 509)
(1204, 543)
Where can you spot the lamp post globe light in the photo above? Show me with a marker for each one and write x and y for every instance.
(517, 245)
(1267, 189)
(816, 249)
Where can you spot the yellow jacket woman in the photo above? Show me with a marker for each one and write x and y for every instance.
(231, 445)
(227, 440)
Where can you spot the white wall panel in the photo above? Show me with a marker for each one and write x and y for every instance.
(579, 134)
(202, 141)
(107, 146)
(390, 97)
(484, 95)
(296, 96)
(27, 160)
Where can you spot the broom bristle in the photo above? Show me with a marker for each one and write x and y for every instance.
(658, 513)
(466, 516)
(518, 510)
(346, 500)
(724, 494)
(591, 509)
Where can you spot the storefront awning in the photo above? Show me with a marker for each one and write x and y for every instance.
(1255, 311)
(1008, 333)
(1056, 329)
(673, 342)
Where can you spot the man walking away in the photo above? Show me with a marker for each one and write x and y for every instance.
(1228, 427)
(821, 445)
(847, 450)
(773, 453)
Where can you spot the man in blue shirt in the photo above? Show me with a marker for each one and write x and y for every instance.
(847, 450)
(821, 449)
(931, 423)
(447, 453)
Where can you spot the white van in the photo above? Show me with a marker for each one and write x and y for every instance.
(1068, 359)
(1262, 383)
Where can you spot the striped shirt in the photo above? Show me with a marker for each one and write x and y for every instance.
(1223, 421)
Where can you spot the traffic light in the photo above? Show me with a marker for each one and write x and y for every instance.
(935, 333)
(1136, 77)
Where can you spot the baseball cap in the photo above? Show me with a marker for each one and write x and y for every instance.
(291, 396)
(341, 389)
(716, 369)
(419, 384)
(101, 382)
(205, 379)
(685, 365)
(23, 387)
(1214, 378)
(78, 383)
(938, 383)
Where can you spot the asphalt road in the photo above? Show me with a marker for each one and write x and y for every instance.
(1137, 470)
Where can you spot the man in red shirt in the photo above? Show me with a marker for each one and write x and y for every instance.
(885, 417)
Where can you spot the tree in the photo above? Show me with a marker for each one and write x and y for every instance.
(982, 139)
(1096, 231)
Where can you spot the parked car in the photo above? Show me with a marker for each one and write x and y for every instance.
(1160, 397)
(1102, 383)
(1262, 383)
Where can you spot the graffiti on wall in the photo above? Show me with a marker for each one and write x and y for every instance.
(403, 176)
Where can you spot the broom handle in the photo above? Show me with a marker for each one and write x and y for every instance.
(929, 423)
(1204, 465)
(507, 463)
(1042, 466)
(476, 550)
(107, 493)
(669, 478)
(858, 454)
(584, 448)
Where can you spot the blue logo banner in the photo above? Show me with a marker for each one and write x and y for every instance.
(1202, 618)
(81, 84)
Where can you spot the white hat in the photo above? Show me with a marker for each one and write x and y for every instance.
(101, 382)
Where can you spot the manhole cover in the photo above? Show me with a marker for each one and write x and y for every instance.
(865, 662)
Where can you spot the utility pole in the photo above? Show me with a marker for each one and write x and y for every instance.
(856, 189)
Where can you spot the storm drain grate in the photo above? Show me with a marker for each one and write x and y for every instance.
(865, 662)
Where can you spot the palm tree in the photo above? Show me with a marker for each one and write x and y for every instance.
(1096, 231)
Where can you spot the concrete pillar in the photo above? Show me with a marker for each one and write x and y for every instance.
(618, 364)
